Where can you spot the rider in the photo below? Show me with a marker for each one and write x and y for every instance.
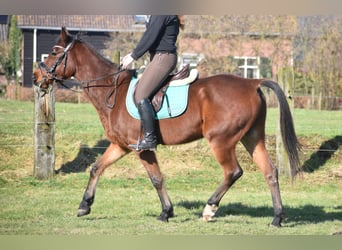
(159, 40)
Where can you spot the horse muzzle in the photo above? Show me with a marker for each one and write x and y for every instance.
(40, 81)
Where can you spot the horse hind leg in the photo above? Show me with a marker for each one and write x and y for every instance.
(112, 154)
(255, 145)
(232, 172)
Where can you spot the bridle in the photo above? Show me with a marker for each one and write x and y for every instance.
(51, 75)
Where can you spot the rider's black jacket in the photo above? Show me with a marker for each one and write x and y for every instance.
(160, 36)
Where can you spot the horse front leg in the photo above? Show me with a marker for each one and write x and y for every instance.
(149, 160)
(112, 154)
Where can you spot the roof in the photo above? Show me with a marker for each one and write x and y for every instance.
(241, 24)
(194, 24)
(81, 22)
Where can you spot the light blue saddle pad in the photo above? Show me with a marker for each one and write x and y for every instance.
(177, 101)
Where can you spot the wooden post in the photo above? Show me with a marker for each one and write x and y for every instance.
(44, 133)
(282, 158)
(285, 80)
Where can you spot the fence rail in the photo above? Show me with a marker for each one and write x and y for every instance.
(300, 101)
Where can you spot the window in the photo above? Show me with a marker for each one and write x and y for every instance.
(43, 57)
(190, 58)
(140, 19)
(265, 67)
(248, 67)
(253, 67)
(4, 19)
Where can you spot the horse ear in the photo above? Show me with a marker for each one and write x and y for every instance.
(65, 38)
(64, 33)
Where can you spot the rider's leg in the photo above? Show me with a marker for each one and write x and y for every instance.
(161, 65)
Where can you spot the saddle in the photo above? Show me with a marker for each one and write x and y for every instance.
(157, 99)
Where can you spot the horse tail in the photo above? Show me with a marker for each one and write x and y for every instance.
(288, 134)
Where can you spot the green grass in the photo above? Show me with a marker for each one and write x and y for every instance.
(326, 123)
(127, 204)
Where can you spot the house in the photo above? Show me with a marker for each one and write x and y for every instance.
(251, 46)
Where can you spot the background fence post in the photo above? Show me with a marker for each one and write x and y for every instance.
(286, 81)
(44, 133)
(116, 57)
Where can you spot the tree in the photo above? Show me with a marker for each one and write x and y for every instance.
(123, 43)
(10, 58)
(318, 50)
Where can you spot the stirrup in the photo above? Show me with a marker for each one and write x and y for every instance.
(143, 145)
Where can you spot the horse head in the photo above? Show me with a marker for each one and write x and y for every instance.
(58, 66)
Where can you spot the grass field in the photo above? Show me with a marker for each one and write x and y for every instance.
(127, 204)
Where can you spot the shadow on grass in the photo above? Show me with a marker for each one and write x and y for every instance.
(85, 157)
(323, 154)
(297, 215)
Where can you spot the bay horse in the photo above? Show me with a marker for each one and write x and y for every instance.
(224, 109)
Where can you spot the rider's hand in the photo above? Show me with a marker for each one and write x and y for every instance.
(126, 61)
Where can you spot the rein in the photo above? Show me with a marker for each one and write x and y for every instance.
(85, 83)
(110, 93)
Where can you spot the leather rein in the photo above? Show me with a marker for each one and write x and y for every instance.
(85, 84)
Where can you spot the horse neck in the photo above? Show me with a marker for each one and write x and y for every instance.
(90, 68)
(90, 65)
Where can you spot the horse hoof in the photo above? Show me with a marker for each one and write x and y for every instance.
(163, 219)
(275, 225)
(164, 216)
(207, 218)
(209, 212)
(276, 222)
(82, 212)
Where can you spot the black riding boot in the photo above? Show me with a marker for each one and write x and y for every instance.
(146, 113)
